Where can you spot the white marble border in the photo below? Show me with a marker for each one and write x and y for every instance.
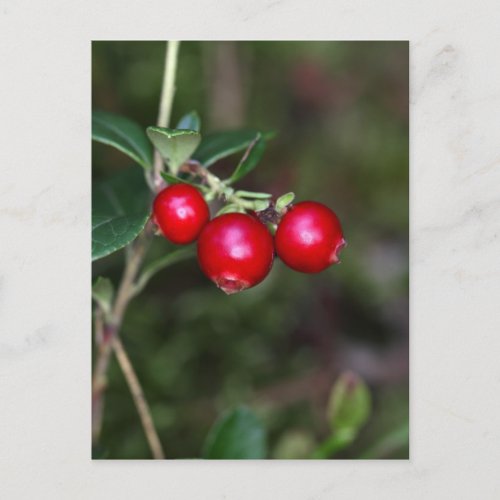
(45, 268)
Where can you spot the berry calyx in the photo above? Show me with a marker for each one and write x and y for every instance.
(181, 213)
(309, 237)
(235, 251)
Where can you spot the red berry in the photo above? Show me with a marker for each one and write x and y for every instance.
(309, 237)
(181, 212)
(235, 251)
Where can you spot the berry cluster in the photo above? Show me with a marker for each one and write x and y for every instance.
(236, 250)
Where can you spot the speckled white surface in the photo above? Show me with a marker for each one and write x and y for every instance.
(45, 248)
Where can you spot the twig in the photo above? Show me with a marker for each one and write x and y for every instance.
(99, 378)
(111, 341)
(165, 261)
(107, 334)
(134, 261)
(139, 399)
(166, 101)
(168, 88)
(106, 331)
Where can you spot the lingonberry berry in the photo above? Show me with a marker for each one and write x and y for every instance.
(180, 212)
(309, 237)
(235, 251)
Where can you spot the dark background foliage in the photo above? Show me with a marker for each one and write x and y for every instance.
(341, 113)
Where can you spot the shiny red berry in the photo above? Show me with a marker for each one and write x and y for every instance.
(180, 212)
(235, 251)
(309, 237)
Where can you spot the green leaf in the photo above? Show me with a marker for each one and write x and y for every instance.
(250, 159)
(219, 145)
(175, 146)
(173, 179)
(237, 434)
(190, 121)
(283, 201)
(259, 205)
(167, 260)
(349, 405)
(253, 195)
(123, 134)
(120, 210)
(102, 293)
(228, 209)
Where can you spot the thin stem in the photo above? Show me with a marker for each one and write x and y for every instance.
(111, 340)
(139, 399)
(165, 261)
(98, 388)
(134, 261)
(168, 88)
(166, 101)
(99, 378)
(335, 443)
(107, 334)
(220, 189)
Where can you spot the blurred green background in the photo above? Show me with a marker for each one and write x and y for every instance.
(341, 113)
